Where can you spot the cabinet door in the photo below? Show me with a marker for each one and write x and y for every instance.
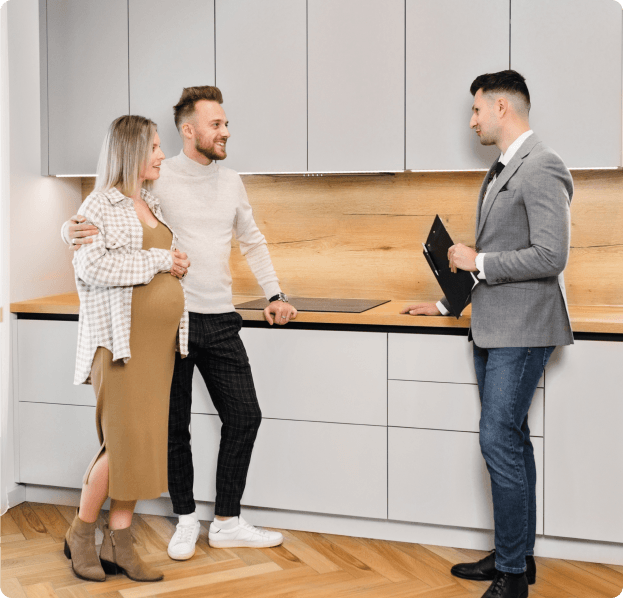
(46, 359)
(570, 53)
(303, 466)
(87, 73)
(445, 406)
(584, 445)
(356, 85)
(449, 44)
(441, 478)
(432, 358)
(56, 444)
(171, 47)
(329, 376)
(261, 59)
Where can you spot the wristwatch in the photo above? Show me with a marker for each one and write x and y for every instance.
(279, 297)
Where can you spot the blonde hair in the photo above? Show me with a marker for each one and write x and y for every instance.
(127, 148)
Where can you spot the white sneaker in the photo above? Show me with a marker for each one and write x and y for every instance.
(241, 534)
(182, 544)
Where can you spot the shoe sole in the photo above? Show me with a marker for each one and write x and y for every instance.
(114, 569)
(182, 557)
(67, 553)
(238, 544)
(531, 580)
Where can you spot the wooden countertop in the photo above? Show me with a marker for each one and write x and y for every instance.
(584, 318)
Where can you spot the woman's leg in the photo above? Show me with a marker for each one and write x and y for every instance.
(95, 492)
(121, 513)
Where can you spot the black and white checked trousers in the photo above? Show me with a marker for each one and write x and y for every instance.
(216, 349)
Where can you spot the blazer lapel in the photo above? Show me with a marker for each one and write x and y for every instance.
(500, 181)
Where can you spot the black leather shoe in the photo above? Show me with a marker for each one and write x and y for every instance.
(505, 585)
(484, 569)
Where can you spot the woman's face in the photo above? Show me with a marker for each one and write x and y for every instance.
(151, 170)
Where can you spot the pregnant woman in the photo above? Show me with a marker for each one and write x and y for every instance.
(132, 316)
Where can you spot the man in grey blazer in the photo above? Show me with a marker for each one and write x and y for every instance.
(519, 313)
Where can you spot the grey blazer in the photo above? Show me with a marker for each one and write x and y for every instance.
(524, 228)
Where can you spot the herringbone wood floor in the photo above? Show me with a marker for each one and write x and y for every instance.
(306, 566)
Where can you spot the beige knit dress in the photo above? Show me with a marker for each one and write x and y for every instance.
(133, 399)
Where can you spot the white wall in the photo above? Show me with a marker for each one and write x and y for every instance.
(33, 260)
(40, 264)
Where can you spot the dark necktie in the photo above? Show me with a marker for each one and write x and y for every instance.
(499, 167)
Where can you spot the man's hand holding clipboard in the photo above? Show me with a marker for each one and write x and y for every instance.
(452, 266)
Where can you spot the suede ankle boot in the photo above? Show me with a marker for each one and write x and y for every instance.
(80, 548)
(118, 555)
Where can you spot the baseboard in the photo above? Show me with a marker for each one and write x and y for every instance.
(378, 529)
(16, 495)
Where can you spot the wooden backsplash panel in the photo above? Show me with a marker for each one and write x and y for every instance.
(360, 236)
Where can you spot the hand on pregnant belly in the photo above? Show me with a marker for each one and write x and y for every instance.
(181, 263)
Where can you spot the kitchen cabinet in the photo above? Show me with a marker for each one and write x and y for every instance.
(46, 359)
(261, 59)
(84, 80)
(583, 442)
(323, 375)
(171, 47)
(440, 477)
(449, 44)
(570, 53)
(304, 466)
(356, 85)
(56, 443)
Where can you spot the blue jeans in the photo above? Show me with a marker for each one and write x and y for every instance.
(507, 378)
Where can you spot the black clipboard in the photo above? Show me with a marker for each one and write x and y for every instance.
(457, 288)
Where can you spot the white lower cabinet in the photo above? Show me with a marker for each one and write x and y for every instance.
(314, 375)
(440, 477)
(45, 364)
(56, 443)
(303, 466)
(444, 406)
(584, 442)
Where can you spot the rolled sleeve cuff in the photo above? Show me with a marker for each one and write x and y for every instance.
(480, 265)
(64, 233)
(442, 308)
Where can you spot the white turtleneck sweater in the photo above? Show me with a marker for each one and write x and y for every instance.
(205, 205)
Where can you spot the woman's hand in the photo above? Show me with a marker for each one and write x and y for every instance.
(181, 263)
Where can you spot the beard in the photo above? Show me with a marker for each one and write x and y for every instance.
(209, 152)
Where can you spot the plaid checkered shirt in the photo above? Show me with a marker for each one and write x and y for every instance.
(106, 271)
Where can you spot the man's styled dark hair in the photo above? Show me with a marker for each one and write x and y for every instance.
(508, 81)
(186, 106)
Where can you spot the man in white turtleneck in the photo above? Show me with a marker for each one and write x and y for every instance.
(205, 203)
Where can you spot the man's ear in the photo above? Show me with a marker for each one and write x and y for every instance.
(187, 130)
(501, 106)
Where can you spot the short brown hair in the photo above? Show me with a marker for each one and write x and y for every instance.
(126, 150)
(190, 96)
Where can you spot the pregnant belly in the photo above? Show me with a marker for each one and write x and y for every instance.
(160, 302)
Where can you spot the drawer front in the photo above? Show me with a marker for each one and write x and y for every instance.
(432, 358)
(46, 359)
(314, 375)
(339, 469)
(441, 478)
(56, 443)
(444, 406)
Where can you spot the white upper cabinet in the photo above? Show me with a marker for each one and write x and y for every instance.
(261, 55)
(171, 47)
(449, 44)
(356, 85)
(87, 80)
(570, 53)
